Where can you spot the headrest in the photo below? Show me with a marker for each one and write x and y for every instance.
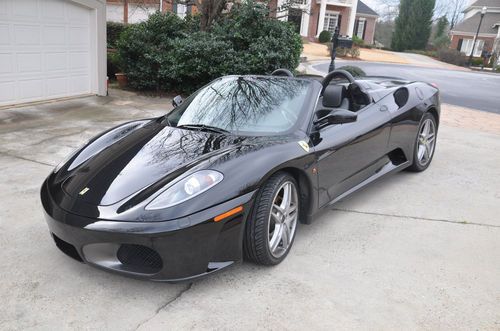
(333, 95)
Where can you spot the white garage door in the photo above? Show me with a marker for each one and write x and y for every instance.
(45, 50)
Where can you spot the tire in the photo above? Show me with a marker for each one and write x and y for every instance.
(262, 227)
(422, 162)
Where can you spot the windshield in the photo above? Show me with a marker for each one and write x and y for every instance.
(244, 105)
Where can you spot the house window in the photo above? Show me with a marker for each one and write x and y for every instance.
(361, 28)
(331, 21)
(181, 10)
(467, 47)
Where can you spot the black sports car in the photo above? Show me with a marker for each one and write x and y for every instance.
(233, 169)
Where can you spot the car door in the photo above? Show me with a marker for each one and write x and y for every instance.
(347, 154)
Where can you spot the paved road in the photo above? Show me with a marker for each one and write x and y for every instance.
(461, 88)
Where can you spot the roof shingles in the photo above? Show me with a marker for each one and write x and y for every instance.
(363, 9)
(487, 26)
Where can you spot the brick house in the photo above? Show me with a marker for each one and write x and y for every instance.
(462, 35)
(353, 17)
(310, 16)
(134, 11)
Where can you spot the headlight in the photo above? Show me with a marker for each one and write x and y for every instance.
(186, 188)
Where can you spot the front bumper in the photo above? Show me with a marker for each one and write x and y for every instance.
(173, 250)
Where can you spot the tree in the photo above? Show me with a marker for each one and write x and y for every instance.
(413, 24)
(441, 26)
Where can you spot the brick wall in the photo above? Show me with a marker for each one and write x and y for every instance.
(313, 20)
(488, 41)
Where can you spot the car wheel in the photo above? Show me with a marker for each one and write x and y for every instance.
(270, 229)
(425, 143)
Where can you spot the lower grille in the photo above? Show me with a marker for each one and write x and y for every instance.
(67, 248)
(139, 256)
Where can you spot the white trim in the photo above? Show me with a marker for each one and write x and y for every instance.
(99, 46)
(352, 18)
(472, 34)
(321, 18)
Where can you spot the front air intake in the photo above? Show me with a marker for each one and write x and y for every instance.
(139, 257)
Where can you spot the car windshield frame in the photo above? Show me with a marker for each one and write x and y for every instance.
(307, 103)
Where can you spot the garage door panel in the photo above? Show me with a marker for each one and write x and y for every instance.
(45, 50)
(7, 91)
(79, 61)
(79, 84)
(54, 35)
(27, 34)
(25, 9)
(78, 13)
(57, 86)
(4, 34)
(79, 36)
(55, 61)
(6, 65)
(30, 89)
(53, 9)
(29, 62)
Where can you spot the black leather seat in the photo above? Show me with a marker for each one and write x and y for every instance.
(335, 96)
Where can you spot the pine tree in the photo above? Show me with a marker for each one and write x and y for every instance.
(398, 39)
(413, 24)
(441, 26)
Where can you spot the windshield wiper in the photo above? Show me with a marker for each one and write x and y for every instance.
(203, 127)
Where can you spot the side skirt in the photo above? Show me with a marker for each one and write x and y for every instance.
(388, 168)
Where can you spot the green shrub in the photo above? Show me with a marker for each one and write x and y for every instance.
(114, 64)
(354, 52)
(441, 42)
(342, 51)
(113, 31)
(477, 62)
(451, 56)
(145, 50)
(325, 36)
(358, 41)
(168, 53)
(353, 70)
(197, 60)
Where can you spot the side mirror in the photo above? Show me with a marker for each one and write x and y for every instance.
(340, 116)
(177, 101)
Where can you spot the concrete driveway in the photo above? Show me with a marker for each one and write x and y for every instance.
(415, 251)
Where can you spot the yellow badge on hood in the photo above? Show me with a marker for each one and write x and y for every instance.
(304, 145)
(85, 190)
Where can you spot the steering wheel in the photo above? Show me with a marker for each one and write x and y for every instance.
(336, 74)
(282, 72)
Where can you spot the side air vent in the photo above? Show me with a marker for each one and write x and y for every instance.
(401, 97)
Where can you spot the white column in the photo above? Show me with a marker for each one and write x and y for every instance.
(352, 18)
(304, 24)
(321, 21)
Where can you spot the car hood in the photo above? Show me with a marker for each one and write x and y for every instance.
(149, 153)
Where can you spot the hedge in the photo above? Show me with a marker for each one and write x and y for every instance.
(169, 53)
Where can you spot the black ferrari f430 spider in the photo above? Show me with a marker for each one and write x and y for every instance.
(232, 170)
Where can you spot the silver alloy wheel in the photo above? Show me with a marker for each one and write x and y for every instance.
(282, 219)
(426, 141)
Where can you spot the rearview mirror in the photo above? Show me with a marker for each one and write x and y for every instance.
(340, 116)
(177, 101)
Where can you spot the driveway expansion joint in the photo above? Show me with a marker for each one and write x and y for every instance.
(415, 217)
(25, 159)
(164, 305)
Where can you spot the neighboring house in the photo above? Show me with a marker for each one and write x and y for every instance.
(462, 35)
(134, 11)
(51, 49)
(353, 17)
